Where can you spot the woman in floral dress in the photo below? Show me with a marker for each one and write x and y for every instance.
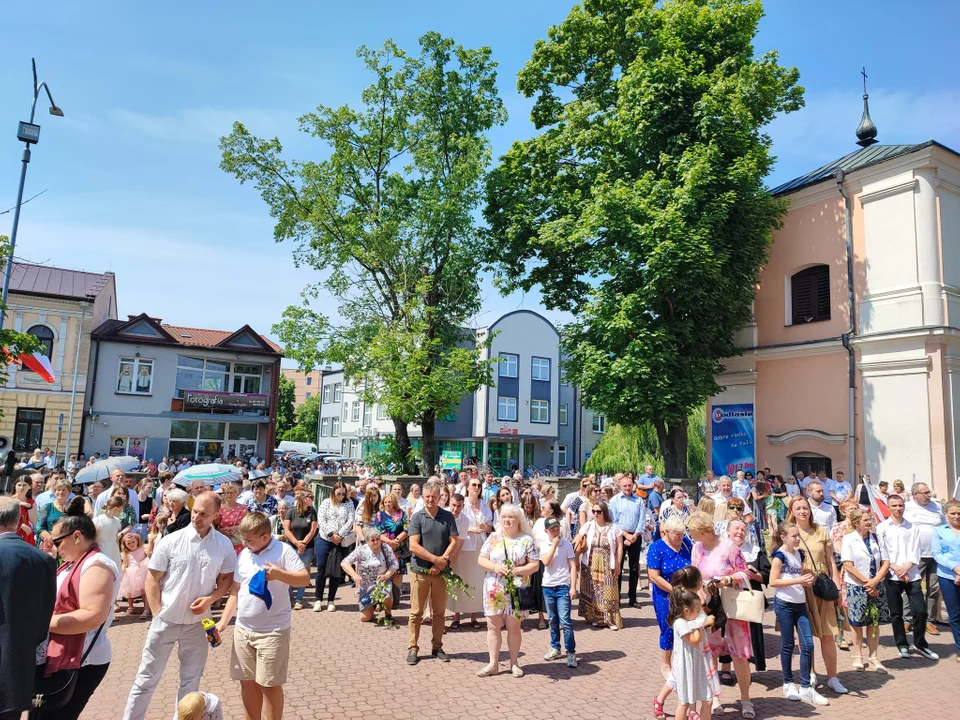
(509, 555)
(370, 563)
(840, 529)
(391, 521)
(719, 558)
(600, 566)
(230, 515)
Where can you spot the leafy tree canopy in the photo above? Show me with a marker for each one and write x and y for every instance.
(640, 205)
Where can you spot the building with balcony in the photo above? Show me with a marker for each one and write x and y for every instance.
(528, 418)
(158, 389)
(60, 308)
(875, 391)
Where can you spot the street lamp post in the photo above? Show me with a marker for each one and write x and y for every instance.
(29, 134)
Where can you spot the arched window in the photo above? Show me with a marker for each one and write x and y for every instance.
(45, 336)
(810, 294)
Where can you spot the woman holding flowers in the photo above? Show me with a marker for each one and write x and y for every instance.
(864, 570)
(510, 557)
(372, 565)
(602, 553)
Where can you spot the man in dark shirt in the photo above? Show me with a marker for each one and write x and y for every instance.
(433, 536)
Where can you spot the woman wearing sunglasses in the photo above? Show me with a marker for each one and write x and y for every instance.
(334, 523)
(87, 586)
(600, 563)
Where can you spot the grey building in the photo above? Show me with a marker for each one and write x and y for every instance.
(157, 390)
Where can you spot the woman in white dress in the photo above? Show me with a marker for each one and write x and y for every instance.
(472, 532)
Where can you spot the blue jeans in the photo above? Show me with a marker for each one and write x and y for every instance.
(950, 593)
(309, 555)
(793, 616)
(557, 600)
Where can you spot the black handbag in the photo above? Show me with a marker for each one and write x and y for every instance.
(55, 691)
(823, 585)
(528, 599)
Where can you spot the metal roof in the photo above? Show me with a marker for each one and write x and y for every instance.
(33, 279)
(857, 160)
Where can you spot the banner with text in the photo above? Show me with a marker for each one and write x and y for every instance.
(732, 439)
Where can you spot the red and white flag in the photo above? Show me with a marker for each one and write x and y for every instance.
(877, 503)
(40, 364)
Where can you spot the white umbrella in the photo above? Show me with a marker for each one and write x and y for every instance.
(210, 473)
(101, 469)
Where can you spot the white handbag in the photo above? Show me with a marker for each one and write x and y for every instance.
(745, 605)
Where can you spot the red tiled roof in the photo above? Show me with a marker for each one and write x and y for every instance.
(58, 282)
(206, 338)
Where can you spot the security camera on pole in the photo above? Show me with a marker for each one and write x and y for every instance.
(29, 134)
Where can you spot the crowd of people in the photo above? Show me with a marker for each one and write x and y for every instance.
(477, 546)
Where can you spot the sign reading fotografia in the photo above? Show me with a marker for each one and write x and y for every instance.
(210, 400)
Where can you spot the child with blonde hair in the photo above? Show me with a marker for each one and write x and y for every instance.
(134, 569)
(200, 706)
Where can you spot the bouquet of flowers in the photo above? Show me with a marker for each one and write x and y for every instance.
(511, 583)
(378, 597)
(455, 584)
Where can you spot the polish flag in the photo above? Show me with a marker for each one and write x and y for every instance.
(877, 503)
(40, 364)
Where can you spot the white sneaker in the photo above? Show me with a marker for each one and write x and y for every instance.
(552, 654)
(613, 627)
(926, 652)
(331, 608)
(813, 680)
(571, 660)
(904, 653)
(790, 691)
(835, 685)
(318, 606)
(811, 696)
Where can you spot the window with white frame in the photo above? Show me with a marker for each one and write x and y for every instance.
(562, 456)
(599, 423)
(346, 412)
(324, 427)
(355, 410)
(509, 365)
(326, 394)
(335, 426)
(355, 449)
(381, 412)
(195, 373)
(247, 378)
(507, 408)
(338, 392)
(540, 369)
(539, 411)
(136, 376)
(367, 414)
(562, 414)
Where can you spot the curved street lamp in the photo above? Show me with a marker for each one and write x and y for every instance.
(29, 134)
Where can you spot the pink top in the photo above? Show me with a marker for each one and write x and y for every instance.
(724, 559)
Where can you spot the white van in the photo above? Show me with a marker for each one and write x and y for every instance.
(303, 448)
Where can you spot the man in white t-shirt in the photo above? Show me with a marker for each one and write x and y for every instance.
(823, 513)
(260, 597)
(189, 571)
(118, 478)
(559, 589)
(926, 514)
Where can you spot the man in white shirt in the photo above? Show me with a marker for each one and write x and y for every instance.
(724, 493)
(840, 490)
(189, 571)
(261, 637)
(49, 459)
(822, 511)
(900, 544)
(926, 515)
(559, 588)
(118, 478)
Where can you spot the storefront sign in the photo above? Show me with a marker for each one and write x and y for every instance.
(209, 400)
(508, 431)
(451, 460)
(732, 439)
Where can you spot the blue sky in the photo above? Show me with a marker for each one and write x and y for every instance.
(131, 173)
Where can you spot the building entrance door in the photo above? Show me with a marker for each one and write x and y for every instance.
(806, 463)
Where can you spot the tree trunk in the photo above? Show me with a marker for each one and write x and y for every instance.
(402, 439)
(428, 447)
(673, 447)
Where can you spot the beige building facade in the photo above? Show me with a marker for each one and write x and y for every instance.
(60, 308)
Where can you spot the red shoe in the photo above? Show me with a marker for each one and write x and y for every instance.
(658, 710)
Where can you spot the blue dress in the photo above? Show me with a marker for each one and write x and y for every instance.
(662, 558)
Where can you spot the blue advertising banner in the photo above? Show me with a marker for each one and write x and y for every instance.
(732, 443)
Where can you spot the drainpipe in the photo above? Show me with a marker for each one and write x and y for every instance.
(76, 374)
(851, 363)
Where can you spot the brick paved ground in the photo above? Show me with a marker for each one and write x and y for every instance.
(342, 669)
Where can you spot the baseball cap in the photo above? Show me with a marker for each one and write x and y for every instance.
(551, 523)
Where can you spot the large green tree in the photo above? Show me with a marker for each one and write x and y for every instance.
(640, 205)
(306, 425)
(633, 447)
(388, 219)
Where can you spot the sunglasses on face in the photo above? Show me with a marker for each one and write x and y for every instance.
(597, 511)
(58, 540)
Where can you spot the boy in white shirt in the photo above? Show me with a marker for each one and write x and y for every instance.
(260, 597)
(559, 588)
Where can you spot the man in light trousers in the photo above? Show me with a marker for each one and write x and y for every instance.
(189, 571)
